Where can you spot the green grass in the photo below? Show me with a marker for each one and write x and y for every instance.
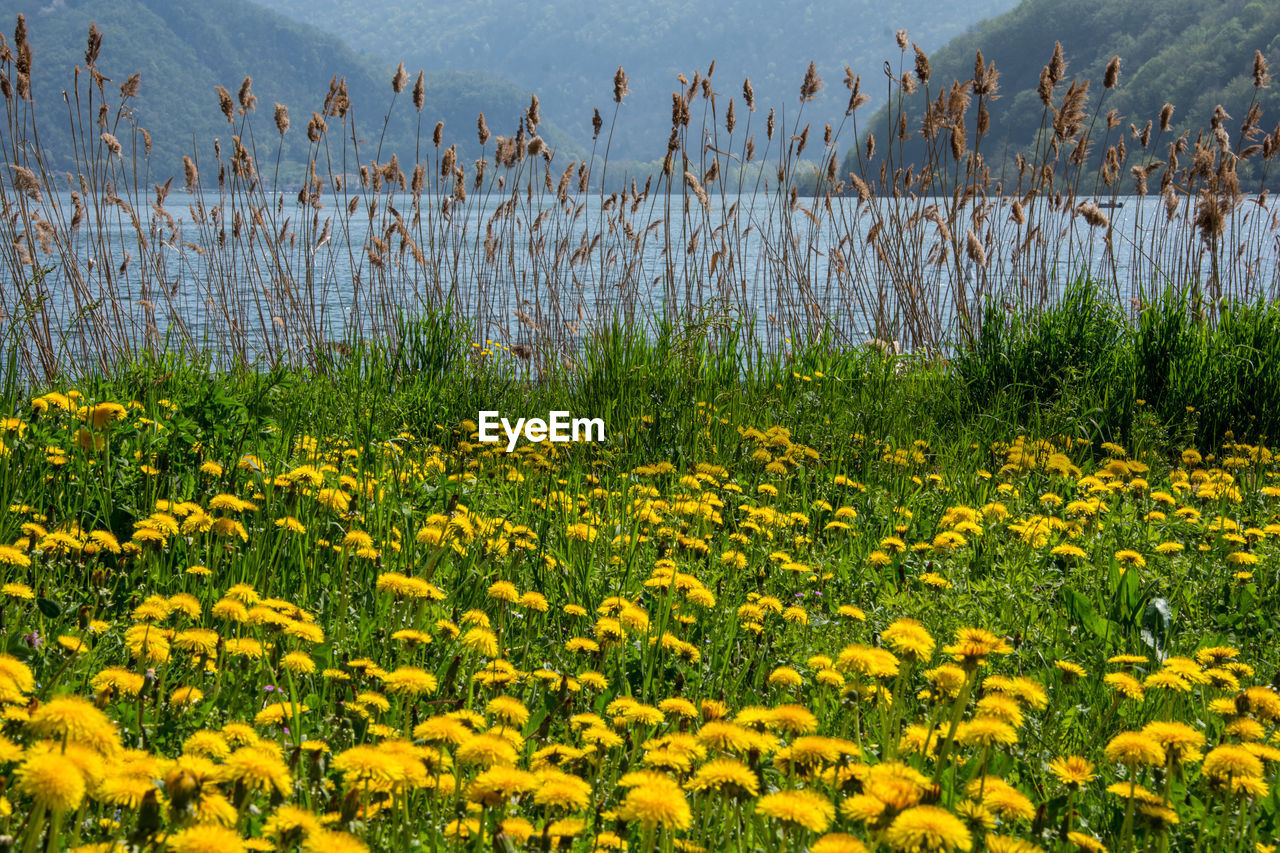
(904, 489)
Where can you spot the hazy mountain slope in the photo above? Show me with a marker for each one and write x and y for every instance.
(183, 48)
(1194, 54)
(567, 50)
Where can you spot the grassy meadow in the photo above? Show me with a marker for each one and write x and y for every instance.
(1013, 589)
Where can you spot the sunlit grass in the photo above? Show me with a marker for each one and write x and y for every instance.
(298, 616)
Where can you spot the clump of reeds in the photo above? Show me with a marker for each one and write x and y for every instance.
(760, 222)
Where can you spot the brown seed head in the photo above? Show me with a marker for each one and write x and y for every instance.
(1093, 215)
(749, 95)
(225, 103)
(282, 118)
(1057, 65)
(620, 87)
(316, 127)
(922, 64)
(112, 144)
(812, 84)
(977, 253)
(1166, 117)
(482, 130)
(25, 181)
(856, 97)
(1045, 88)
(247, 99)
(419, 91)
(337, 101)
(399, 79)
(901, 36)
(1260, 76)
(533, 115)
(94, 45)
(1112, 74)
(129, 88)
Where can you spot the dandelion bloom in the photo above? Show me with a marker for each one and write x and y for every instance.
(986, 731)
(974, 645)
(908, 638)
(75, 719)
(52, 781)
(805, 808)
(1134, 748)
(499, 783)
(1180, 741)
(289, 823)
(657, 804)
(928, 828)
(486, 750)
(11, 556)
(785, 676)
(258, 769)
(206, 838)
(727, 775)
(1124, 684)
(1086, 842)
(409, 681)
(508, 709)
(1128, 557)
(1070, 669)
(795, 719)
(1231, 760)
(559, 790)
(1072, 770)
(838, 842)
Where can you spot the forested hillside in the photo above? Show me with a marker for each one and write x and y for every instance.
(184, 48)
(1193, 54)
(568, 50)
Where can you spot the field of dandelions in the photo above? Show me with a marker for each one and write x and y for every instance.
(273, 638)
(263, 588)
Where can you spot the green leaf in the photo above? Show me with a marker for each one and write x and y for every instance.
(48, 608)
(1082, 611)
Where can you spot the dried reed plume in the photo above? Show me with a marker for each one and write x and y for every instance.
(25, 181)
(248, 101)
(1112, 75)
(812, 84)
(922, 65)
(94, 45)
(1093, 215)
(973, 246)
(282, 118)
(620, 87)
(225, 103)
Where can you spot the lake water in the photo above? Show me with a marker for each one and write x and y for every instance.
(268, 276)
